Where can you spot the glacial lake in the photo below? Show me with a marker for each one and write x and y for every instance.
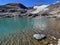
(13, 25)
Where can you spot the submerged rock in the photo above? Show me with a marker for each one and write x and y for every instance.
(39, 36)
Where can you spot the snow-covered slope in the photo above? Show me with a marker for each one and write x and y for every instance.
(40, 8)
(51, 9)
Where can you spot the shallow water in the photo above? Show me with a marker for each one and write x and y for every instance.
(13, 25)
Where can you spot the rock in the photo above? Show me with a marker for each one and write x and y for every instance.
(53, 37)
(50, 44)
(58, 41)
(39, 36)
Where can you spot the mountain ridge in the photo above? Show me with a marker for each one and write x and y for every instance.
(18, 9)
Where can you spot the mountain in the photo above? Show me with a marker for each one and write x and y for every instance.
(12, 9)
(54, 8)
(16, 5)
(13, 5)
(19, 10)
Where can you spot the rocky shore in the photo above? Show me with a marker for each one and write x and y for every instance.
(26, 38)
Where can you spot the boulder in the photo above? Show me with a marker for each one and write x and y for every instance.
(39, 36)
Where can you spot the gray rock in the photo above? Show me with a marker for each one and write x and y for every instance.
(39, 36)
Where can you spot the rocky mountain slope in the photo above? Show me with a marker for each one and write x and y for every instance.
(49, 9)
(12, 10)
(54, 8)
(19, 10)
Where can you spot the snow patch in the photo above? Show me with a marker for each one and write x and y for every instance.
(40, 8)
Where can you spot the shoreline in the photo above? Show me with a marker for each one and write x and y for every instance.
(26, 37)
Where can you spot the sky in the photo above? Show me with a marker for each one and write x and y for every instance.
(28, 2)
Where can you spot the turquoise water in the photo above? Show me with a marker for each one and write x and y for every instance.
(12, 25)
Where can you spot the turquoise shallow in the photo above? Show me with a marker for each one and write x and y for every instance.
(12, 25)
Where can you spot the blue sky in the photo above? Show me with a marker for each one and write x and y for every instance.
(28, 2)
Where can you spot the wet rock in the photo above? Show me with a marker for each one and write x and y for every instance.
(39, 36)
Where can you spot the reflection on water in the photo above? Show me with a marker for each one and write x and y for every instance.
(40, 23)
